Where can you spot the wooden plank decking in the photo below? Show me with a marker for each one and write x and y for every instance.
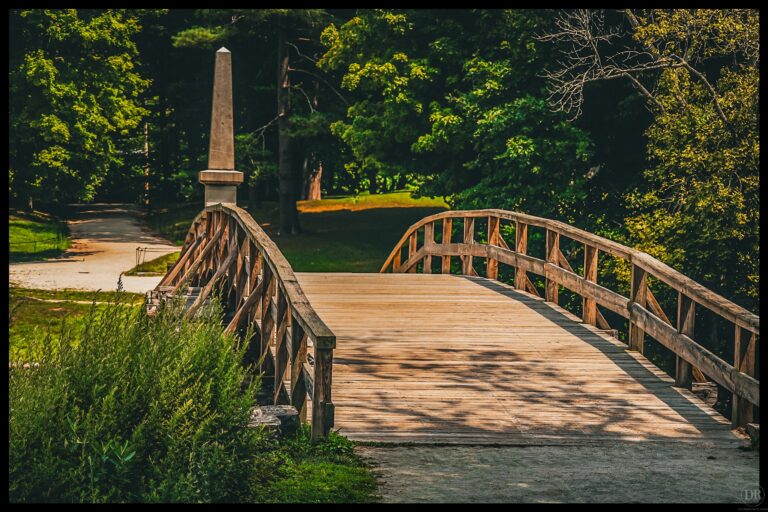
(453, 359)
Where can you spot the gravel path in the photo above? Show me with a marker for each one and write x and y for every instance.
(619, 473)
(105, 237)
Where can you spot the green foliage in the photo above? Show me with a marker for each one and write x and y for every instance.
(327, 472)
(699, 209)
(455, 97)
(199, 37)
(127, 408)
(156, 266)
(74, 100)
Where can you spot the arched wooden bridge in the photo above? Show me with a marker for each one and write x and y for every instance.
(430, 351)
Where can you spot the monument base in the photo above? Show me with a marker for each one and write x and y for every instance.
(220, 186)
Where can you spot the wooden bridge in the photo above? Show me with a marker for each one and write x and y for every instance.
(433, 350)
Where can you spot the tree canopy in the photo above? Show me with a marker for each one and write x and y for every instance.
(639, 124)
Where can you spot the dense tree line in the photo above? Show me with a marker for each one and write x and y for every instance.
(641, 125)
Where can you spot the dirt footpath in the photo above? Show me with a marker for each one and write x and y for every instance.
(104, 241)
(621, 473)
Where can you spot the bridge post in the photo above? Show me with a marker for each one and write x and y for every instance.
(686, 315)
(589, 306)
(521, 247)
(447, 229)
(492, 267)
(553, 253)
(429, 241)
(638, 294)
(221, 179)
(469, 238)
(745, 361)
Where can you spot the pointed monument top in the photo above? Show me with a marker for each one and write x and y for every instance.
(221, 178)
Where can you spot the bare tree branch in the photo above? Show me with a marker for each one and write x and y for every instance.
(297, 70)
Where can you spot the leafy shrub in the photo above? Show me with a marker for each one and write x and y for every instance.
(126, 408)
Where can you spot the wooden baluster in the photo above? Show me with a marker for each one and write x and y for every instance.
(322, 405)
(267, 322)
(553, 257)
(492, 268)
(469, 239)
(521, 247)
(412, 251)
(396, 260)
(281, 347)
(429, 241)
(589, 306)
(242, 272)
(298, 356)
(638, 294)
(686, 316)
(447, 228)
(745, 361)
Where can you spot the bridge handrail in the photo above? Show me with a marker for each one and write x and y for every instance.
(224, 243)
(641, 308)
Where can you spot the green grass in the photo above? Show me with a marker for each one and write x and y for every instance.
(32, 316)
(328, 472)
(340, 234)
(155, 267)
(402, 199)
(35, 236)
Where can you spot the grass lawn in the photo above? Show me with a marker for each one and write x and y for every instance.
(35, 236)
(340, 234)
(154, 267)
(32, 313)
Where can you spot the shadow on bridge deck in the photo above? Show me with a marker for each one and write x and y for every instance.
(431, 358)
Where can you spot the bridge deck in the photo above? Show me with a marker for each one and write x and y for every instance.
(446, 359)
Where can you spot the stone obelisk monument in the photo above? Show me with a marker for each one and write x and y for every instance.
(221, 179)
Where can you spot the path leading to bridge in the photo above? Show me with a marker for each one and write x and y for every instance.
(621, 472)
(104, 241)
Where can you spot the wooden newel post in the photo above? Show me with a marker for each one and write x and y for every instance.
(429, 241)
(412, 241)
(492, 269)
(553, 257)
(686, 316)
(589, 306)
(745, 361)
(298, 354)
(469, 239)
(638, 294)
(447, 228)
(322, 404)
(521, 247)
(221, 179)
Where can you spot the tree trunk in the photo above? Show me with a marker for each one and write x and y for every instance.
(315, 176)
(146, 167)
(289, 220)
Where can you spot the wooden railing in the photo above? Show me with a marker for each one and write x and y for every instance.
(641, 308)
(225, 249)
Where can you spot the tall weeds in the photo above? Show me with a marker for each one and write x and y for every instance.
(128, 408)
